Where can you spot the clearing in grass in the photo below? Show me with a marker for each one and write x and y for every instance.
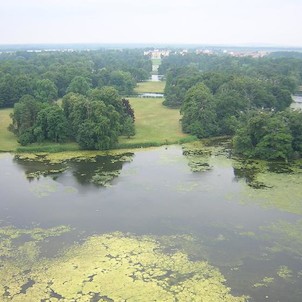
(154, 123)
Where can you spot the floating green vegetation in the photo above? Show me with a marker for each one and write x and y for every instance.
(288, 237)
(38, 174)
(284, 272)
(104, 178)
(44, 189)
(189, 187)
(278, 187)
(100, 169)
(265, 282)
(248, 171)
(62, 157)
(123, 158)
(114, 267)
(9, 237)
(198, 156)
(202, 155)
(280, 191)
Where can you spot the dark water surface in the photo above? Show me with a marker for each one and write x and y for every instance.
(157, 193)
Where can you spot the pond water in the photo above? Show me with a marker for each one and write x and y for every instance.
(151, 95)
(156, 77)
(243, 219)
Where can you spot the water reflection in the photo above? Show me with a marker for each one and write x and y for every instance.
(98, 170)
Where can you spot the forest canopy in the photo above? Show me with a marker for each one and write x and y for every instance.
(50, 75)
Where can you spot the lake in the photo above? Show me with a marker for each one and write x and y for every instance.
(163, 224)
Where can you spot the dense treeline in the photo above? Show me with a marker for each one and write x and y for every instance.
(270, 135)
(183, 71)
(287, 64)
(50, 75)
(94, 120)
(217, 95)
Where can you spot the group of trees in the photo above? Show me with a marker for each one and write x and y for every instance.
(270, 135)
(90, 84)
(50, 75)
(94, 120)
(226, 99)
(214, 102)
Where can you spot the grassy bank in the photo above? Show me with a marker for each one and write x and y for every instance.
(8, 140)
(150, 86)
(48, 148)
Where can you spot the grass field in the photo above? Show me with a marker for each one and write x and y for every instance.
(154, 123)
(8, 141)
(156, 61)
(150, 86)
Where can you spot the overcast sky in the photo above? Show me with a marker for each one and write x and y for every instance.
(230, 22)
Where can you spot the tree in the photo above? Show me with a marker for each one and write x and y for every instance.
(266, 136)
(294, 120)
(127, 109)
(25, 114)
(51, 125)
(100, 131)
(198, 112)
(276, 143)
(129, 128)
(79, 85)
(76, 110)
(45, 91)
(122, 81)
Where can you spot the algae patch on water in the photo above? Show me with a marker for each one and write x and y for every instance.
(203, 155)
(115, 267)
(272, 185)
(287, 237)
(99, 168)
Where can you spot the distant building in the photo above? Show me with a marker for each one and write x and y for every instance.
(157, 54)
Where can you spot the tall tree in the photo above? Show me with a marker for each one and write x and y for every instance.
(198, 112)
(45, 91)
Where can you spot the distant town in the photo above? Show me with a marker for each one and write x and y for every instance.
(156, 51)
(160, 53)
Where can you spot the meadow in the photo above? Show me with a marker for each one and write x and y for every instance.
(150, 86)
(155, 124)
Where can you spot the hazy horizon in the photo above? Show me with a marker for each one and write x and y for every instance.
(244, 23)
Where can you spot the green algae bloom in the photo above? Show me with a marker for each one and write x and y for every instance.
(288, 236)
(112, 267)
(103, 178)
(61, 157)
(284, 272)
(272, 185)
(265, 282)
(203, 155)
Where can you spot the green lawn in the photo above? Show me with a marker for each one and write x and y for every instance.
(156, 61)
(154, 123)
(8, 140)
(151, 86)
